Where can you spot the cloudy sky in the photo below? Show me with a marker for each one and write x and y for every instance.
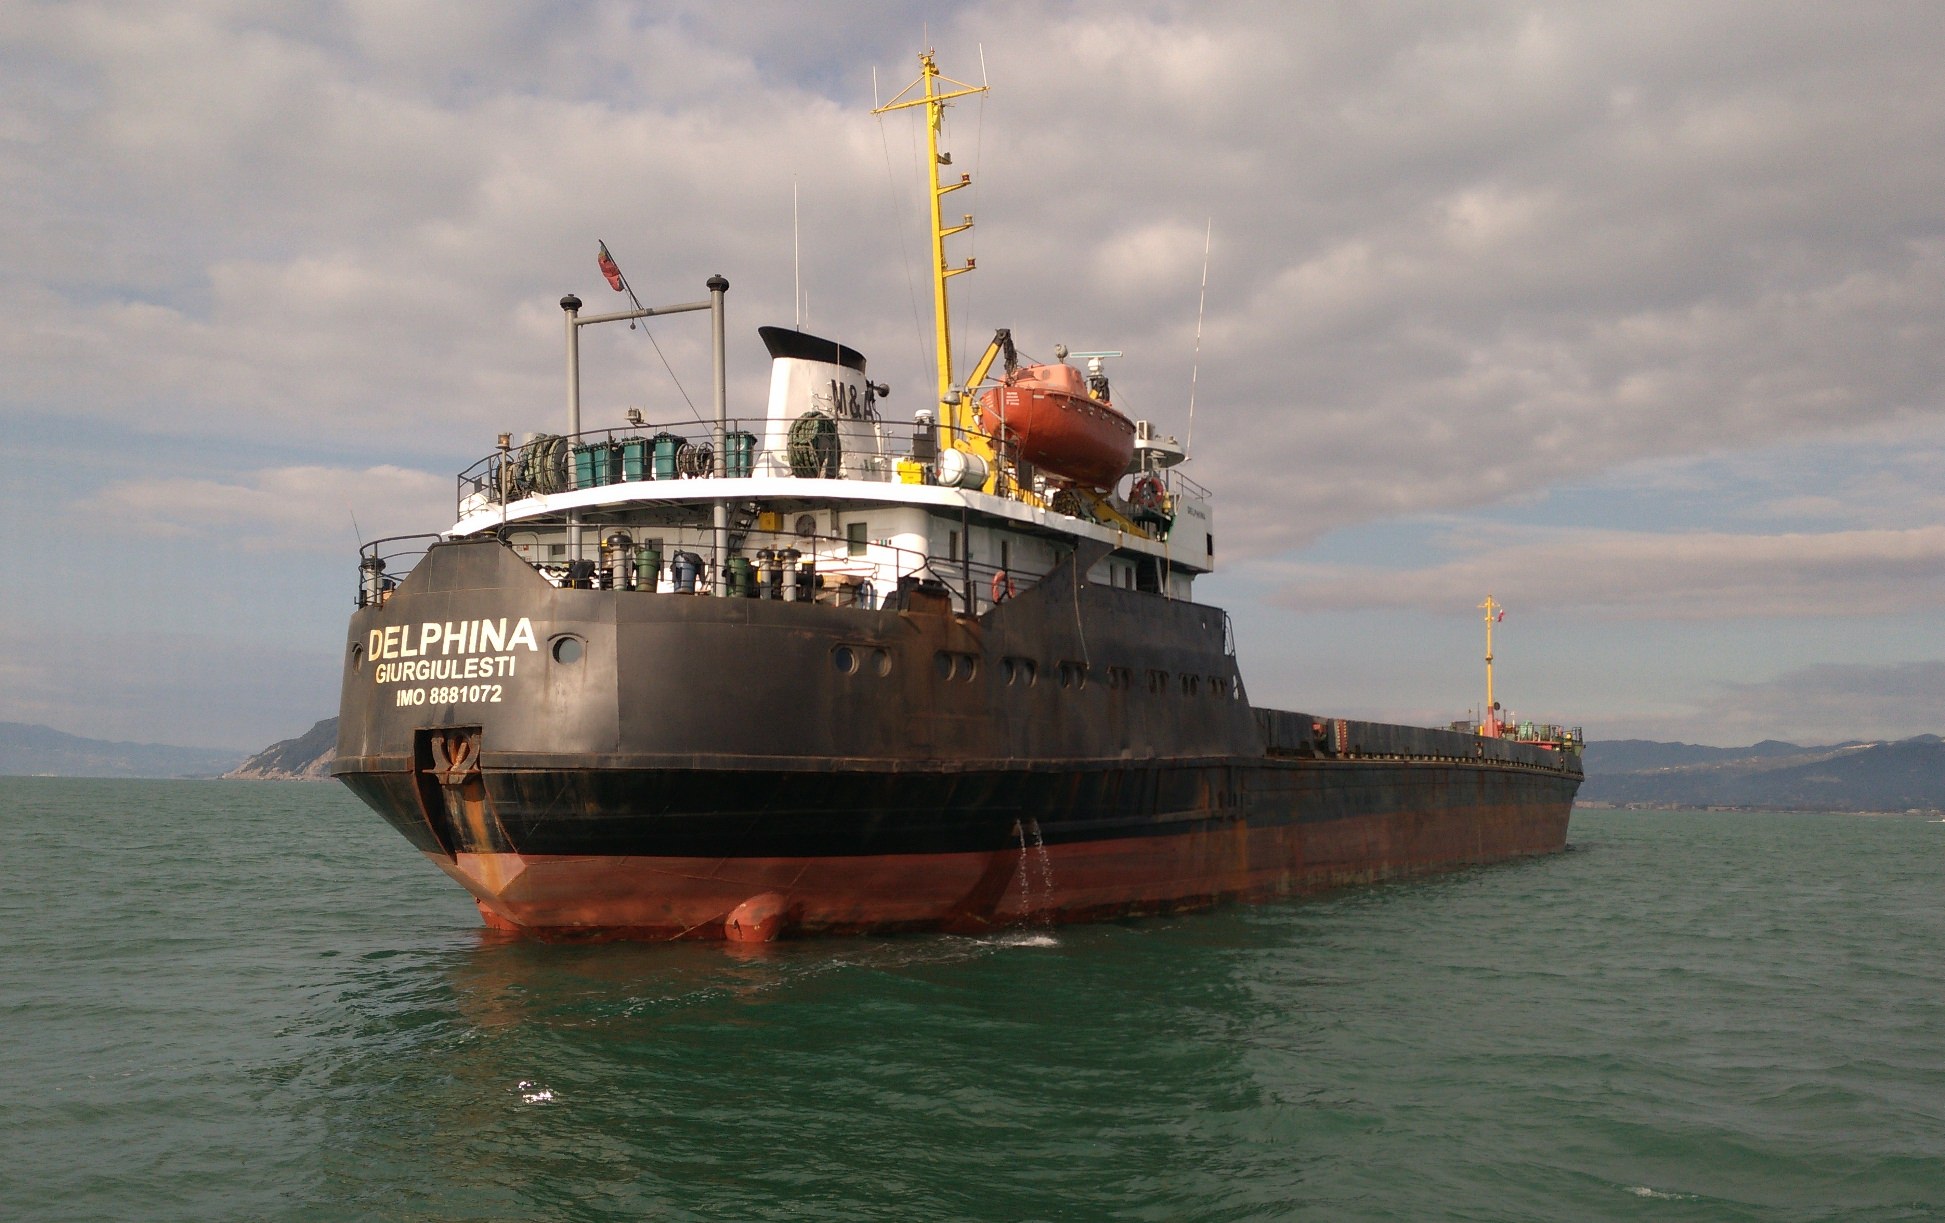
(1632, 316)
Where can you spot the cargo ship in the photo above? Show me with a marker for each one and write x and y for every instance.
(813, 671)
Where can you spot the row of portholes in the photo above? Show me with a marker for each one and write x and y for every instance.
(849, 660)
(950, 665)
(1159, 682)
(1075, 675)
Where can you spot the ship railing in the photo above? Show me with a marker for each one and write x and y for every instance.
(552, 463)
(833, 570)
(556, 463)
(1180, 485)
(384, 563)
(1529, 732)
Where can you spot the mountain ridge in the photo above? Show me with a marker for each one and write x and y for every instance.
(307, 757)
(28, 749)
(1855, 775)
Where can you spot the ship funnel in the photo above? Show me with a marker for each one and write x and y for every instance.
(822, 419)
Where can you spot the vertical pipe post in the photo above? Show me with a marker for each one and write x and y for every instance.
(571, 306)
(720, 511)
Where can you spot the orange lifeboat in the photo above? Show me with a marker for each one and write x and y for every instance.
(1044, 414)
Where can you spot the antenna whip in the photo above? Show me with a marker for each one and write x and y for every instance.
(1195, 366)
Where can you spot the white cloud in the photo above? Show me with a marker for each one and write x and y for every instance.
(1462, 253)
(1644, 575)
(308, 508)
(190, 688)
(1825, 703)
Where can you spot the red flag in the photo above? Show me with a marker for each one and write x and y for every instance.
(607, 264)
(1502, 615)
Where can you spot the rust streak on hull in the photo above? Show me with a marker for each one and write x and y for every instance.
(651, 897)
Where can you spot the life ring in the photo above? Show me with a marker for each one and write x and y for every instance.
(1002, 586)
(1147, 493)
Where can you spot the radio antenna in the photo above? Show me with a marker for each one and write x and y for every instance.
(1195, 366)
(796, 253)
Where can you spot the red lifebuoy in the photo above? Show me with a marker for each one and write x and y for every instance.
(1002, 586)
(1147, 493)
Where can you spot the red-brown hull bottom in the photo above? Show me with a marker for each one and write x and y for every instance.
(670, 897)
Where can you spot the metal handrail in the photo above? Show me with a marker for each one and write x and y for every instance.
(510, 474)
(970, 583)
(505, 471)
(376, 575)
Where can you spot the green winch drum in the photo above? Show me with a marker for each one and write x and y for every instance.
(742, 578)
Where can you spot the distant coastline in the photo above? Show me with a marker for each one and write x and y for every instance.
(28, 750)
(1891, 777)
(1884, 777)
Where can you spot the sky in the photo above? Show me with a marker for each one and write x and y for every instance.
(1631, 316)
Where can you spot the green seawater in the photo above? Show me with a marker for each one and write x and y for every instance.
(236, 1000)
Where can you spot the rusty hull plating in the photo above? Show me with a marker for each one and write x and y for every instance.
(713, 768)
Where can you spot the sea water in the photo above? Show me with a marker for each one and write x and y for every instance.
(243, 1000)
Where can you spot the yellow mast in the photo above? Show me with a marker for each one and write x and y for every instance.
(955, 407)
(1491, 711)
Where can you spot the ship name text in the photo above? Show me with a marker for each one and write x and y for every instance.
(435, 650)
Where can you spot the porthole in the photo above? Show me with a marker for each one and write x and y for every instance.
(881, 662)
(568, 649)
(944, 664)
(357, 658)
(845, 659)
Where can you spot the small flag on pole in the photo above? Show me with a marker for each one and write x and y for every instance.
(608, 268)
(1502, 615)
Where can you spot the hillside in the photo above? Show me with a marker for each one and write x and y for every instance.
(1885, 776)
(306, 758)
(28, 750)
(1901, 775)
(1642, 755)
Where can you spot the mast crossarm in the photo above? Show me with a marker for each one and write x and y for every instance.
(964, 90)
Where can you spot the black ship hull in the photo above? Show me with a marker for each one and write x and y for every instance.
(604, 762)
